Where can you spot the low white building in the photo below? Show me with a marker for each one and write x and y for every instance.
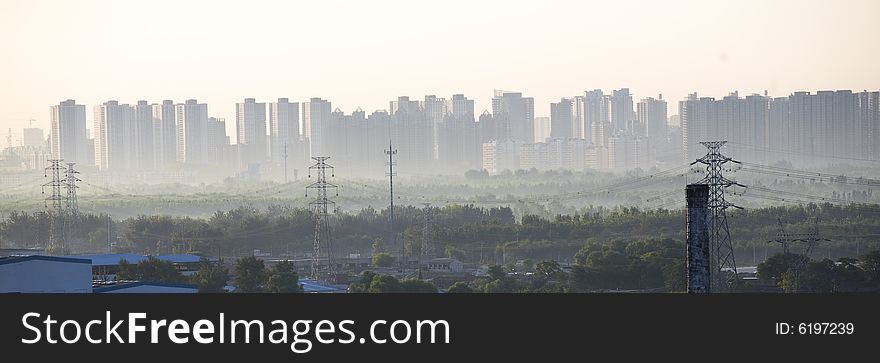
(45, 274)
(444, 265)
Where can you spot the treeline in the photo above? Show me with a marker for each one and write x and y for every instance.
(466, 232)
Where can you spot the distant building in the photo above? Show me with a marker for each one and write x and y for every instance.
(192, 135)
(597, 117)
(315, 116)
(562, 120)
(68, 136)
(250, 124)
(652, 120)
(515, 116)
(622, 111)
(164, 134)
(542, 129)
(284, 130)
(500, 155)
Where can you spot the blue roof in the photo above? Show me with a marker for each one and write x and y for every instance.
(143, 283)
(17, 259)
(315, 286)
(112, 259)
(179, 258)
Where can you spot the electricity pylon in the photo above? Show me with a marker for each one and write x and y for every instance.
(723, 262)
(392, 234)
(320, 207)
(56, 225)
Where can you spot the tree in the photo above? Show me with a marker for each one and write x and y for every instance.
(283, 279)
(417, 286)
(847, 272)
(150, 270)
(497, 272)
(460, 287)
(250, 274)
(871, 266)
(774, 267)
(385, 283)
(548, 268)
(382, 259)
(211, 278)
(818, 277)
(363, 283)
(155, 270)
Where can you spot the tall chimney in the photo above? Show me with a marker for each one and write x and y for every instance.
(697, 238)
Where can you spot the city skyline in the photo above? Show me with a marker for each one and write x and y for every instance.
(786, 47)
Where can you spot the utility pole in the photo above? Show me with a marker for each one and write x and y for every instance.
(392, 234)
(56, 234)
(719, 233)
(285, 163)
(319, 207)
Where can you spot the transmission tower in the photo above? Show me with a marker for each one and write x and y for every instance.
(723, 262)
(392, 234)
(320, 207)
(56, 233)
(810, 239)
(70, 179)
(425, 251)
(285, 163)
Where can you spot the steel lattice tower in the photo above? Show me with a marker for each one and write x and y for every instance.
(70, 179)
(392, 234)
(425, 251)
(810, 239)
(56, 234)
(320, 207)
(719, 233)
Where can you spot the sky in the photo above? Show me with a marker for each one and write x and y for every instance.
(366, 53)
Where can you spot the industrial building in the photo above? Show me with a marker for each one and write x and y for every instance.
(45, 274)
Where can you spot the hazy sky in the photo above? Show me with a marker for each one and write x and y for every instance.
(365, 53)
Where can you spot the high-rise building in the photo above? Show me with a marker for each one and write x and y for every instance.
(597, 116)
(542, 129)
(316, 115)
(459, 140)
(622, 111)
(192, 132)
(164, 134)
(562, 119)
(284, 130)
(412, 135)
(579, 119)
(515, 116)
(740, 121)
(435, 110)
(144, 152)
(115, 143)
(218, 143)
(652, 118)
(250, 123)
(69, 140)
